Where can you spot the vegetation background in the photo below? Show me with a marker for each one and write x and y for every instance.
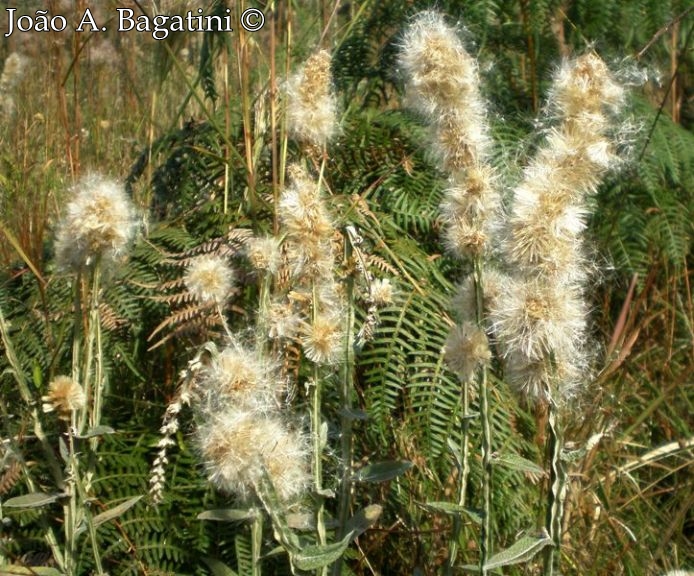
(194, 125)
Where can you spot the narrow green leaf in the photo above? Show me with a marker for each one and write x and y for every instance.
(64, 452)
(34, 500)
(518, 463)
(114, 512)
(97, 431)
(36, 376)
(455, 510)
(521, 551)
(382, 471)
(217, 567)
(314, 557)
(227, 515)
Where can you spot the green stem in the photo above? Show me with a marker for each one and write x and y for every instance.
(95, 352)
(464, 472)
(556, 492)
(257, 542)
(316, 429)
(485, 417)
(347, 384)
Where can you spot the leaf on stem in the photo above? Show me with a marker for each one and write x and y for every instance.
(382, 471)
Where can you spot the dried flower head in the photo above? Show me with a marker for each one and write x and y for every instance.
(322, 339)
(467, 349)
(65, 396)
(439, 72)
(538, 319)
(12, 71)
(242, 378)
(585, 87)
(311, 110)
(209, 279)
(464, 301)
(236, 447)
(302, 210)
(381, 291)
(283, 321)
(545, 381)
(264, 253)
(99, 223)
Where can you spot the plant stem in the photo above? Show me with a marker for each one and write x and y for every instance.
(347, 382)
(485, 417)
(556, 492)
(257, 542)
(316, 429)
(464, 472)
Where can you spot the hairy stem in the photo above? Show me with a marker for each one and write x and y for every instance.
(556, 492)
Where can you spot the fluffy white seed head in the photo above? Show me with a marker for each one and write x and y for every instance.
(438, 71)
(443, 83)
(464, 302)
(466, 350)
(239, 377)
(381, 291)
(236, 447)
(583, 86)
(264, 254)
(209, 279)
(322, 339)
(539, 319)
(99, 223)
(311, 106)
(302, 210)
(65, 396)
(12, 71)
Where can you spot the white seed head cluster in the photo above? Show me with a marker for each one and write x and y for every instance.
(322, 338)
(537, 312)
(442, 82)
(466, 349)
(65, 396)
(242, 378)
(309, 234)
(99, 223)
(311, 106)
(242, 433)
(209, 279)
(238, 448)
(541, 319)
(381, 292)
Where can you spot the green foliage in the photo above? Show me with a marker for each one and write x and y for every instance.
(381, 180)
(646, 218)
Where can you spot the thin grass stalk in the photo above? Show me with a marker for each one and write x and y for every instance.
(70, 509)
(284, 132)
(227, 126)
(317, 421)
(243, 63)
